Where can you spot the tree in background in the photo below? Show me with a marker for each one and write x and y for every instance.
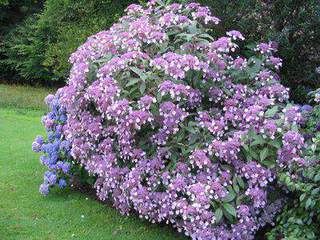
(12, 14)
(38, 49)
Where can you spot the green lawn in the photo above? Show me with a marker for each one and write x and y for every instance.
(26, 97)
(25, 214)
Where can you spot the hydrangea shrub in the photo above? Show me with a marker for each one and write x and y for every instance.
(300, 217)
(178, 126)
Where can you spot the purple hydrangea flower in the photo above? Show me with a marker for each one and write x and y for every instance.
(44, 189)
(306, 108)
(48, 100)
(36, 147)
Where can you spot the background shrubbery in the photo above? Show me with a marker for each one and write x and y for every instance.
(35, 47)
(12, 16)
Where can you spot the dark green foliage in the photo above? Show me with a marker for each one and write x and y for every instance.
(24, 52)
(12, 13)
(295, 25)
(39, 48)
(298, 33)
(4, 2)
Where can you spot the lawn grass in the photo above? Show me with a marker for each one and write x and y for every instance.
(64, 214)
(24, 97)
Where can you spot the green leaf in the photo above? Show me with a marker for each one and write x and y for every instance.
(142, 87)
(240, 199)
(104, 59)
(231, 195)
(245, 147)
(264, 154)
(229, 209)
(253, 154)
(218, 215)
(268, 163)
(193, 28)
(240, 182)
(315, 191)
(236, 188)
(251, 46)
(92, 74)
(187, 36)
(139, 72)
(255, 68)
(249, 158)
(191, 130)
(206, 35)
(302, 197)
(133, 81)
(251, 133)
(279, 122)
(258, 140)
(271, 112)
(309, 203)
(295, 128)
(276, 144)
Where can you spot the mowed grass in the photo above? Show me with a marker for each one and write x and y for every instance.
(24, 97)
(64, 214)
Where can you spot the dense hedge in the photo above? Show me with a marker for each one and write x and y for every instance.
(37, 50)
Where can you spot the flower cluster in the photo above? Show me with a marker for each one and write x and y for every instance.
(293, 144)
(181, 92)
(158, 111)
(56, 150)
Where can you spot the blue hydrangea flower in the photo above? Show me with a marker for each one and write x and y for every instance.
(44, 160)
(62, 183)
(51, 136)
(66, 167)
(63, 118)
(64, 146)
(50, 178)
(39, 139)
(56, 150)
